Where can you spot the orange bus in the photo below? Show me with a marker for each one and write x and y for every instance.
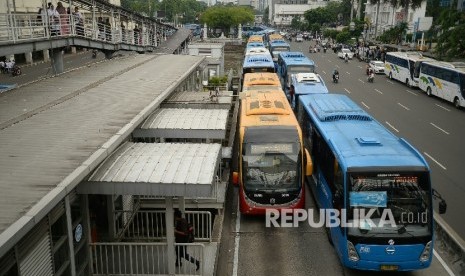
(272, 161)
(261, 81)
(255, 38)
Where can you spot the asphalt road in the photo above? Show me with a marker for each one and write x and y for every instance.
(434, 127)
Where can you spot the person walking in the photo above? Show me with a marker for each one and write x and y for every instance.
(181, 236)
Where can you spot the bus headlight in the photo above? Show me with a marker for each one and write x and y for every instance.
(425, 255)
(353, 256)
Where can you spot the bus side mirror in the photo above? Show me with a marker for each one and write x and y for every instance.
(442, 203)
(235, 178)
(309, 164)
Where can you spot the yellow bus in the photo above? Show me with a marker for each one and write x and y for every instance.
(272, 162)
(261, 81)
(255, 38)
(273, 37)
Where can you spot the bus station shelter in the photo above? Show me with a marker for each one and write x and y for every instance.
(158, 169)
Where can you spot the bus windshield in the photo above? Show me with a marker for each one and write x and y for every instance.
(406, 195)
(271, 166)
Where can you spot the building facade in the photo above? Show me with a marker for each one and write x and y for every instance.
(281, 12)
(384, 16)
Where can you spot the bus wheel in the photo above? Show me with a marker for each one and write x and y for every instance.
(407, 83)
(456, 102)
(390, 75)
(428, 91)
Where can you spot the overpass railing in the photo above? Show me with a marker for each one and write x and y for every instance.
(18, 28)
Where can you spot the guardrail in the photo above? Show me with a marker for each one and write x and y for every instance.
(142, 258)
(16, 28)
(150, 225)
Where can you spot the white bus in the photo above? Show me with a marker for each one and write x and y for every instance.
(445, 80)
(404, 66)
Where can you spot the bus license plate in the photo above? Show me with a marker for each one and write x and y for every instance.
(389, 267)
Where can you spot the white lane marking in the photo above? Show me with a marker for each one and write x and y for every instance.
(237, 240)
(443, 107)
(359, 67)
(406, 108)
(378, 91)
(390, 82)
(347, 90)
(411, 92)
(365, 105)
(440, 129)
(337, 66)
(324, 72)
(391, 126)
(434, 160)
(361, 81)
(446, 267)
(347, 73)
(329, 60)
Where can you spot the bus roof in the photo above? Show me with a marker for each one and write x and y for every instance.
(258, 60)
(308, 83)
(359, 139)
(261, 79)
(414, 56)
(266, 109)
(278, 43)
(455, 66)
(255, 45)
(288, 55)
(257, 51)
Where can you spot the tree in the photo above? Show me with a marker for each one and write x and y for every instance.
(452, 28)
(225, 17)
(266, 15)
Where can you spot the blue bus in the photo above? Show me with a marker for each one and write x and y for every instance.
(306, 83)
(254, 45)
(257, 63)
(278, 46)
(292, 63)
(361, 166)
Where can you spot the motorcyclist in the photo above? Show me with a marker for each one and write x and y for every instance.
(371, 74)
(335, 74)
(346, 57)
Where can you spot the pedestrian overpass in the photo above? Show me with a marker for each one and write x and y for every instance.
(103, 27)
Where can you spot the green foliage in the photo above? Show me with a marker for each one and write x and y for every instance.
(297, 24)
(185, 11)
(343, 36)
(266, 14)
(332, 33)
(315, 27)
(394, 35)
(224, 17)
(217, 81)
(451, 43)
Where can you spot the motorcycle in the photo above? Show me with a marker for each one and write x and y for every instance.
(371, 77)
(336, 78)
(346, 59)
(16, 71)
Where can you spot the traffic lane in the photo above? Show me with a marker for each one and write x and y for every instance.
(285, 251)
(409, 116)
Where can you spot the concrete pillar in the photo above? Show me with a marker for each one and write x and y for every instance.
(57, 56)
(204, 31)
(239, 31)
(170, 234)
(28, 57)
(46, 55)
(71, 236)
(73, 50)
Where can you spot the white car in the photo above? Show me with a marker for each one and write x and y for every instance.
(299, 38)
(343, 52)
(377, 66)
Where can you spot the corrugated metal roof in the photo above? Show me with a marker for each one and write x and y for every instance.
(157, 169)
(195, 99)
(185, 123)
(46, 153)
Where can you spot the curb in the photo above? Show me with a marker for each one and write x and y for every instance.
(449, 245)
